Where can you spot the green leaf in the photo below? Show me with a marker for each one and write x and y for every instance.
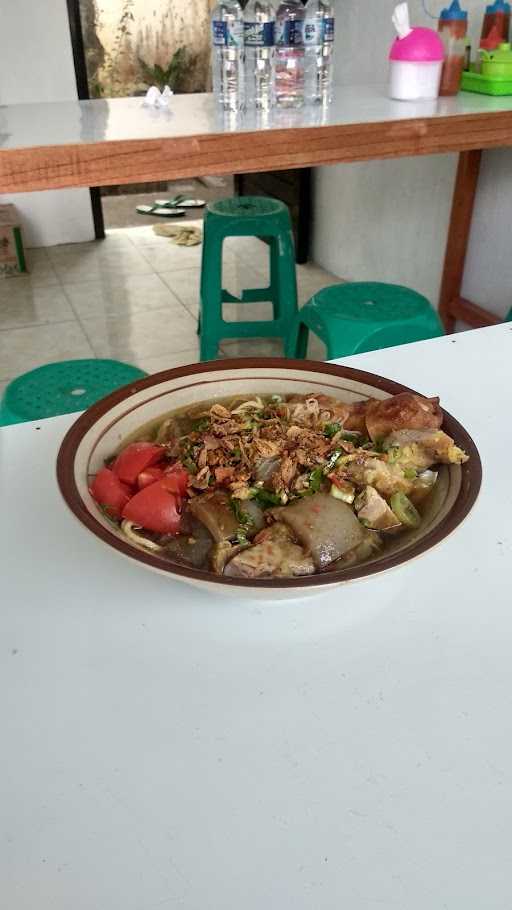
(265, 497)
(330, 429)
(244, 519)
(315, 480)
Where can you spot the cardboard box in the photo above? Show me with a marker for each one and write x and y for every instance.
(12, 256)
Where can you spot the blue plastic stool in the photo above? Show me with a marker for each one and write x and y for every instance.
(61, 388)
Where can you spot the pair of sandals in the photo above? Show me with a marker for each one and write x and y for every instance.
(171, 208)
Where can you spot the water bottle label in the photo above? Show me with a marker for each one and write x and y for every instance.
(226, 35)
(318, 32)
(329, 30)
(259, 34)
(218, 33)
(312, 32)
(290, 34)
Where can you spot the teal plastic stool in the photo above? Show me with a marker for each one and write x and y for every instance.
(363, 316)
(61, 388)
(246, 216)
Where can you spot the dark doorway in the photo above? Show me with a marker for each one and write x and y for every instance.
(77, 44)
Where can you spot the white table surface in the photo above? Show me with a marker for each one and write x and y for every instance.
(165, 748)
(122, 119)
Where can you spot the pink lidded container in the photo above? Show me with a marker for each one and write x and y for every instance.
(416, 61)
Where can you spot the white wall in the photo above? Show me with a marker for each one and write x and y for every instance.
(36, 64)
(387, 220)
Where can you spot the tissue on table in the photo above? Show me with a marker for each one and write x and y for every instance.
(416, 60)
(155, 98)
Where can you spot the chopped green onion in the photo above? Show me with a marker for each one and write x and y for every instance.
(244, 519)
(330, 429)
(189, 465)
(201, 424)
(393, 454)
(241, 537)
(410, 474)
(332, 461)
(315, 480)
(265, 497)
(404, 510)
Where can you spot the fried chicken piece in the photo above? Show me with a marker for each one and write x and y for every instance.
(405, 411)
(356, 420)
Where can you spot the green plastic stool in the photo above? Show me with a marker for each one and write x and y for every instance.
(363, 316)
(61, 388)
(246, 216)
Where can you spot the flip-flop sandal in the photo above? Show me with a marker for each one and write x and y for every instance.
(182, 202)
(157, 209)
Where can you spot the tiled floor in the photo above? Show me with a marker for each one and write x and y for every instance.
(132, 297)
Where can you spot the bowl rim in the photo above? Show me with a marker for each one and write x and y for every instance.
(471, 476)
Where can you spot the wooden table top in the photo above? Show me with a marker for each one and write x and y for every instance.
(119, 141)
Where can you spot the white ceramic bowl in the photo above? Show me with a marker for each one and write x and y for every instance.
(101, 429)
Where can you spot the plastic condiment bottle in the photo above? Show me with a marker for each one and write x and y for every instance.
(416, 60)
(497, 18)
(492, 41)
(452, 27)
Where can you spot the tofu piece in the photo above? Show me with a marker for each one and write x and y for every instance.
(374, 512)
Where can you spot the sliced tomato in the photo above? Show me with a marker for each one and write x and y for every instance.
(176, 479)
(135, 458)
(154, 509)
(150, 475)
(109, 492)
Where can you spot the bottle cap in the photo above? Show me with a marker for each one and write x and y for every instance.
(499, 6)
(453, 11)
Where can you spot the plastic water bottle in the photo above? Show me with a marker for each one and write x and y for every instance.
(290, 54)
(319, 42)
(228, 54)
(259, 35)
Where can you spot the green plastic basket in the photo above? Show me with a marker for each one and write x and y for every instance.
(486, 85)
